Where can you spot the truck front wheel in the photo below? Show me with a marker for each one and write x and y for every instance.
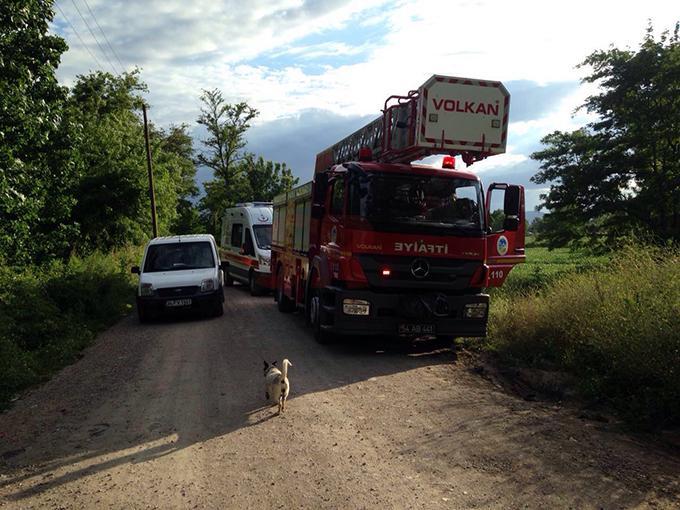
(315, 318)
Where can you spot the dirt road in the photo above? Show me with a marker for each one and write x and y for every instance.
(170, 415)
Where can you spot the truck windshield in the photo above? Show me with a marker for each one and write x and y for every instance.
(178, 257)
(263, 236)
(432, 202)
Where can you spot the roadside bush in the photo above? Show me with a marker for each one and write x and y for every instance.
(49, 314)
(616, 327)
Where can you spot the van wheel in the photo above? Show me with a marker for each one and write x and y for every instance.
(142, 313)
(218, 310)
(228, 280)
(284, 303)
(254, 289)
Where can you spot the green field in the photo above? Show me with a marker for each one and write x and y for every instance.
(612, 322)
(544, 266)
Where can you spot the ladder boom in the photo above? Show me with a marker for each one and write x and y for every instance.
(445, 115)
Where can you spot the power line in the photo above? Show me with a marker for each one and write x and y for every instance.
(105, 38)
(95, 37)
(79, 38)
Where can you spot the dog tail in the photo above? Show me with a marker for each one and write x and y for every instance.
(284, 371)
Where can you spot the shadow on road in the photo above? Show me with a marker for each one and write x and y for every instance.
(177, 381)
(144, 392)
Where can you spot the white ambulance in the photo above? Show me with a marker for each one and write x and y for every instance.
(245, 245)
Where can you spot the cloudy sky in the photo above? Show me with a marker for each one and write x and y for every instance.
(319, 69)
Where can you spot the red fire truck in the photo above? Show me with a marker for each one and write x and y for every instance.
(378, 243)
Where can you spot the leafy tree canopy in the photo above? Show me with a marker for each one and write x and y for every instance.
(113, 206)
(620, 172)
(239, 176)
(36, 170)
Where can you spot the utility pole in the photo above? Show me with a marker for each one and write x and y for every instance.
(152, 195)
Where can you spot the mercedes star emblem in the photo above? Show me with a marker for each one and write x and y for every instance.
(420, 268)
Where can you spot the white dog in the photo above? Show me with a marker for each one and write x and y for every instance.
(277, 384)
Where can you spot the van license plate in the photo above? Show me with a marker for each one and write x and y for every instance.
(178, 302)
(416, 329)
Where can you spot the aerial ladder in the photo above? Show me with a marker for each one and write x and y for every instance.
(446, 115)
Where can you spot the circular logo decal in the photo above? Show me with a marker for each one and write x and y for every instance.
(420, 268)
(502, 245)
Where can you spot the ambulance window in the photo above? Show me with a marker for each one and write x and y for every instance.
(236, 234)
(338, 196)
(249, 249)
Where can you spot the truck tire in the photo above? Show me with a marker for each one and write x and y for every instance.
(283, 302)
(315, 318)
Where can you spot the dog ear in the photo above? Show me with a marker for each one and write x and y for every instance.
(274, 363)
(266, 365)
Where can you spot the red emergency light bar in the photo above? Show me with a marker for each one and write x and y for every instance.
(449, 162)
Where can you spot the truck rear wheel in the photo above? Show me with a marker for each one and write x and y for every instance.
(284, 303)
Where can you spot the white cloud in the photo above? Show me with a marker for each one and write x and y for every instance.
(184, 47)
(361, 52)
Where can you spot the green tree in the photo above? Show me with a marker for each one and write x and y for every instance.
(226, 125)
(266, 179)
(622, 171)
(113, 206)
(36, 136)
(178, 143)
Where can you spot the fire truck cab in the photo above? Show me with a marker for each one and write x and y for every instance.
(376, 245)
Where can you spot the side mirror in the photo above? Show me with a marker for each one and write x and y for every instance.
(511, 203)
(224, 266)
(242, 251)
(511, 223)
(134, 270)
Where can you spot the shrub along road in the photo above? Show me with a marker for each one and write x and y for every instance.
(170, 414)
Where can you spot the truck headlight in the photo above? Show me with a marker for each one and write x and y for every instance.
(146, 289)
(207, 285)
(475, 311)
(356, 307)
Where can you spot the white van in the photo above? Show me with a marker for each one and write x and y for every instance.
(180, 272)
(245, 245)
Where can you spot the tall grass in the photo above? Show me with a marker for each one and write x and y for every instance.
(616, 326)
(49, 314)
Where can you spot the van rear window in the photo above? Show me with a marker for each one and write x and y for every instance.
(178, 257)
